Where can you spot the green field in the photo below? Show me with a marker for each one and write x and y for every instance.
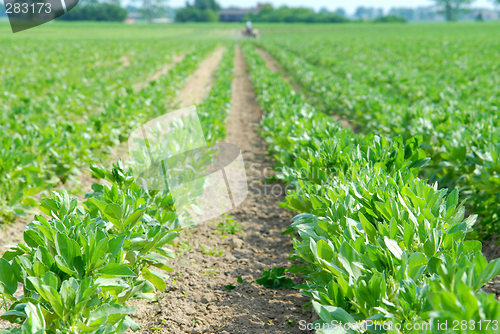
(389, 140)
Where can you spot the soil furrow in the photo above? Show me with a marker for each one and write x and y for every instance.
(125, 61)
(199, 83)
(196, 300)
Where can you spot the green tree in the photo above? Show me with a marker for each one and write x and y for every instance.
(153, 8)
(199, 11)
(451, 8)
(293, 14)
(341, 12)
(95, 11)
(192, 14)
(207, 5)
(391, 19)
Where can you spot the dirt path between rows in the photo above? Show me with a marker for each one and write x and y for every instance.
(198, 85)
(196, 300)
(276, 67)
(125, 61)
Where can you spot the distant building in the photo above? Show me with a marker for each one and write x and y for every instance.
(431, 13)
(134, 16)
(162, 20)
(237, 14)
(486, 14)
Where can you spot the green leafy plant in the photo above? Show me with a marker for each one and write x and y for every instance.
(275, 279)
(78, 266)
(378, 242)
(458, 125)
(229, 226)
(41, 149)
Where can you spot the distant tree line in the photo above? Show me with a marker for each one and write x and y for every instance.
(93, 10)
(291, 14)
(199, 11)
(451, 8)
(390, 19)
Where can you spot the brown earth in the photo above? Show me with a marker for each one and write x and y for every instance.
(196, 300)
(198, 85)
(491, 250)
(125, 61)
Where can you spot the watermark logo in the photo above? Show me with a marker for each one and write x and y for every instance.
(26, 14)
(170, 153)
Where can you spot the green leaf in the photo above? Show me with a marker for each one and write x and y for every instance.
(54, 299)
(419, 163)
(393, 247)
(330, 313)
(491, 270)
(370, 230)
(158, 282)
(113, 313)
(116, 270)
(35, 321)
(7, 278)
(134, 218)
(64, 248)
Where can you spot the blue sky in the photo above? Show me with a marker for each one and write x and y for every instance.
(349, 5)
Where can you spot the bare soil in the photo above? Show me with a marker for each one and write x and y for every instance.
(491, 250)
(125, 61)
(196, 300)
(12, 233)
(198, 85)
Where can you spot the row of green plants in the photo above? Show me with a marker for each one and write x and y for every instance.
(436, 88)
(378, 243)
(79, 265)
(64, 119)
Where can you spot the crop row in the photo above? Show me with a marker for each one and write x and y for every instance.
(413, 90)
(53, 128)
(377, 242)
(80, 265)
